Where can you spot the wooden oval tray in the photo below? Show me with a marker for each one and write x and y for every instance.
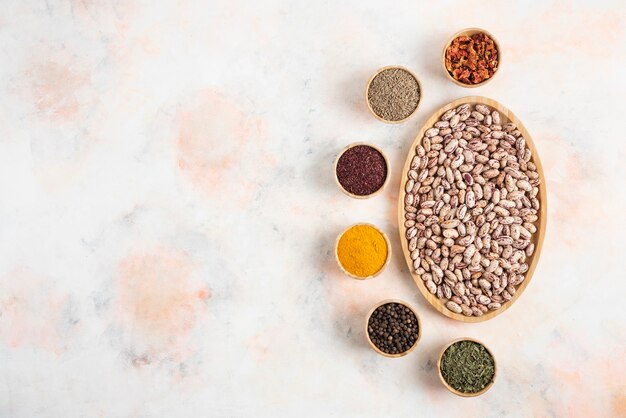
(506, 116)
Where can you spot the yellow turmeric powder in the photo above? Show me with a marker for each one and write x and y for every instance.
(362, 250)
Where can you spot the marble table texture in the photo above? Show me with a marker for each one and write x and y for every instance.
(168, 210)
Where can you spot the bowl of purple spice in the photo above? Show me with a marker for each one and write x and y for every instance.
(361, 170)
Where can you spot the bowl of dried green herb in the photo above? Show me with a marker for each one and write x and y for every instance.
(393, 94)
(467, 367)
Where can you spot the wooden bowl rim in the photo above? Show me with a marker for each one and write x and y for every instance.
(453, 390)
(419, 328)
(541, 223)
(369, 82)
(352, 195)
(354, 276)
(471, 31)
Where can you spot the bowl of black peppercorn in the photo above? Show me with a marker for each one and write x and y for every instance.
(393, 328)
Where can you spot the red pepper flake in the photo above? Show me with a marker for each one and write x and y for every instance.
(472, 59)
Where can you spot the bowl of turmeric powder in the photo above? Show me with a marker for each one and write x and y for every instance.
(362, 251)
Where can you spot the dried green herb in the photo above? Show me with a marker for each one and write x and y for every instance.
(393, 94)
(467, 366)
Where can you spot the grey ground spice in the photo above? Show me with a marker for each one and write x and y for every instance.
(467, 366)
(393, 94)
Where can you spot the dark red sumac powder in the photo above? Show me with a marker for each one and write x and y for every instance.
(361, 170)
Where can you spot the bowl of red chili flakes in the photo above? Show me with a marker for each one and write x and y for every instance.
(471, 57)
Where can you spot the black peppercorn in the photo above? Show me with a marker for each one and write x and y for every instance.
(392, 328)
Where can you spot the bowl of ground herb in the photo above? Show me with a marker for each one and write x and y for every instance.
(466, 367)
(392, 328)
(393, 94)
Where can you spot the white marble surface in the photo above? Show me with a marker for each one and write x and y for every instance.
(168, 211)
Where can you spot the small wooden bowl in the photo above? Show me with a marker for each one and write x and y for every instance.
(354, 144)
(419, 328)
(369, 82)
(383, 266)
(470, 32)
(456, 392)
